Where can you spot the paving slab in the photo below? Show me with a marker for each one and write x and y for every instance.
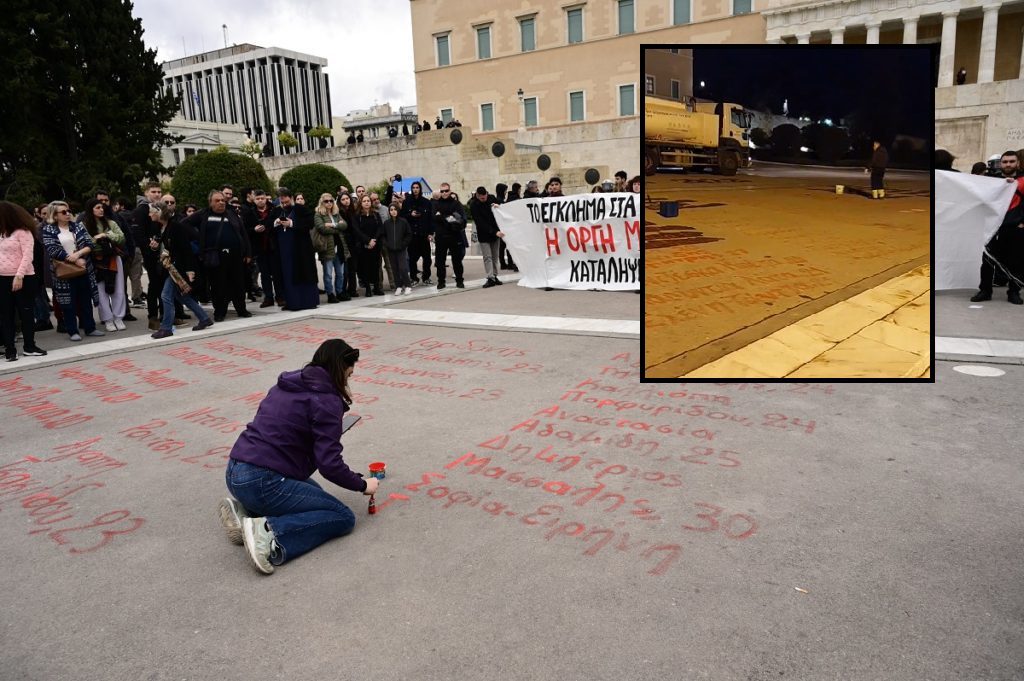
(751, 254)
(544, 516)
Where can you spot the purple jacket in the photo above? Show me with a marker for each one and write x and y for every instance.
(297, 430)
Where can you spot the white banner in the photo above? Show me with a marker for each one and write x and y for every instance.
(968, 211)
(581, 242)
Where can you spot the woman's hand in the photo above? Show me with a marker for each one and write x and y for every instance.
(371, 486)
(16, 286)
(80, 262)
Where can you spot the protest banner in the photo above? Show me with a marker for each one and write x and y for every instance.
(968, 211)
(581, 242)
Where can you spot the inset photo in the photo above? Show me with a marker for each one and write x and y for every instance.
(788, 212)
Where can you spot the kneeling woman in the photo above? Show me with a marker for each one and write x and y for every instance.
(280, 512)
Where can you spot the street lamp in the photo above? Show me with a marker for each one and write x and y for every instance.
(522, 111)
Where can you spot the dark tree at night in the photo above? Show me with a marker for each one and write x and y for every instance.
(81, 100)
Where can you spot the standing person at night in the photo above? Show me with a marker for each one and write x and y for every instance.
(879, 160)
(277, 510)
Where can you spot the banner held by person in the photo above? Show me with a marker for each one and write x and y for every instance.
(581, 242)
(968, 211)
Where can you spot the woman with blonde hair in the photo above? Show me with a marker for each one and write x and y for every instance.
(67, 241)
(328, 225)
(106, 258)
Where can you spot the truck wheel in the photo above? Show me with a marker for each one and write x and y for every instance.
(652, 161)
(727, 163)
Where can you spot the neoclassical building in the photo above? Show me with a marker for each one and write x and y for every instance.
(973, 120)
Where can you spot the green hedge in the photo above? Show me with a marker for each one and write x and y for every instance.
(314, 179)
(199, 174)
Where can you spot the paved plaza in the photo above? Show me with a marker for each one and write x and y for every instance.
(544, 514)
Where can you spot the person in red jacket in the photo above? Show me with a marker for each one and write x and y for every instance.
(276, 510)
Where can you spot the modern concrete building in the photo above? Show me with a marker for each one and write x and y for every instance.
(265, 90)
(974, 120)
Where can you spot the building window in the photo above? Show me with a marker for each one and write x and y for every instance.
(680, 12)
(177, 156)
(627, 100)
(576, 106)
(626, 21)
(574, 19)
(742, 6)
(446, 116)
(486, 117)
(675, 89)
(443, 56)
(674, 50)
(483, 42)
(530, 112)
(528, 36)
(649, 85)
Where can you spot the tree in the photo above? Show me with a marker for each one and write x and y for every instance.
(760, 138)
(81, 100)
(786, 139)
(199, 174)
(313, 179)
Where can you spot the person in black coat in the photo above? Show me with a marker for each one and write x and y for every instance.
(366, 226)
(259, 225)
(177, 258)
(481, 208)
(395, 235)
(224, 250)
(449, 234)
(879, 160)
(416, 211)
(293, 225)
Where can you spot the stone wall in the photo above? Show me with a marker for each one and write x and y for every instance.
(975, 121)
(607, 146)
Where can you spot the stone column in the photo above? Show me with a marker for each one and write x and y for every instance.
(910, 31)
(803, 38)
(988, 44)
(948, 50)
(873, 30)
(837, 36)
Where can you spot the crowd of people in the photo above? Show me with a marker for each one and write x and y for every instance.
(241, 248)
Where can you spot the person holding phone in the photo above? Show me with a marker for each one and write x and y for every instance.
(277, 511)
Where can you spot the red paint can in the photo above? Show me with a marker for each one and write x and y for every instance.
(372, 510)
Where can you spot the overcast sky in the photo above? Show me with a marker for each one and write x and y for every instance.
(368, 45)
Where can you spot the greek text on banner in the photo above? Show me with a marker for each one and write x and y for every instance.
(582, 242)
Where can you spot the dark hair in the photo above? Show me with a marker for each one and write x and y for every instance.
(125, 202)
(101, 192)
(516, 187)
(416, 184)
(943, 160)
(621, 174)
(89, 219)
(283, 191)
(335, 356)
(259, 192)
(500, 190)
(979, 168)
(152, 185)
(13, 217)
(227, 186)
(555, 179)
(1011, 152)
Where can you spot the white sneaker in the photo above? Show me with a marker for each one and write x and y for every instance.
(109, 326)
(398, 291)
(119, 325)
(259, 542)
(408, 290)
(231, 514)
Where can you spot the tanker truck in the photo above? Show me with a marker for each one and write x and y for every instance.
(695, 135)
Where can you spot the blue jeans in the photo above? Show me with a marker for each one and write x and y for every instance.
(170, 292)
(300, 513)
(334, 275)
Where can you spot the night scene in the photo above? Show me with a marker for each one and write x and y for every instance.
(787, 221)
